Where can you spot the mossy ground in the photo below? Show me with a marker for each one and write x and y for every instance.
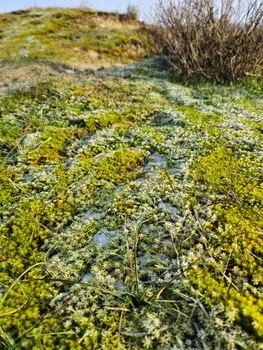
(131, 214)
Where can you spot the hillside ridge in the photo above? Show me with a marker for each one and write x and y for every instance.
(44, 42)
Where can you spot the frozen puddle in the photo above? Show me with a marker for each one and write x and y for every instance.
(87, 277)
(168, 208)
(119, 189)
(92, 215)
(101, 239)
(157, 158)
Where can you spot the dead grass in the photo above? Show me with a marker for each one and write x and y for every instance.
(16, 73)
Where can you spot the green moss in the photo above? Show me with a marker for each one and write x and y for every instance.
(244, 308)
(215, 168)
(118, 166)
(194, 116)
(51, 146)
(237, 192)
(224, 170)
(118, 205)
(9, 133)
(247, 103)
(25, 234)
(9, 191)
(94, 123)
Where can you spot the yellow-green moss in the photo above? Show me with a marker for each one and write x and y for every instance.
(237, 190)
(195, 116)
(96, 122)
(118, 167)
(51, 146)
(245, 308)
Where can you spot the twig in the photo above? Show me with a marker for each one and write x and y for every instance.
(18, 278)
(14, 185)
(135, 253)
(120, 326)
(135, 335)
(117, 308)
(128, 248)
(41, 144)
(13, 311)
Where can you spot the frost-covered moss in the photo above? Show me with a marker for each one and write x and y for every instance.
(131, 215)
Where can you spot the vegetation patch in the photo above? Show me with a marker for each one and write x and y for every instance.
(131, 212)
(53, 34)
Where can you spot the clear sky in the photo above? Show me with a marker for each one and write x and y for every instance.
(107, 5)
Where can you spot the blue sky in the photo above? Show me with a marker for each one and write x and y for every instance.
(107, 5)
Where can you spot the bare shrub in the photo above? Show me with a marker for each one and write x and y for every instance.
(214, 39)
(133, 12)
(84, 4)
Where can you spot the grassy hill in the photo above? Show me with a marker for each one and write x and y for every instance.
(131, 204)
(55, 39)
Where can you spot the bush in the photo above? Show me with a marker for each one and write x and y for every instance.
(221, 42)
(132, 12)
